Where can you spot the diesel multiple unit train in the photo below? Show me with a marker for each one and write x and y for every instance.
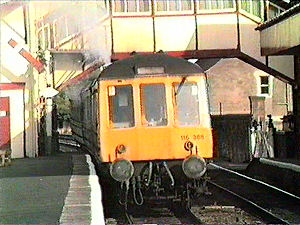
(146, 120)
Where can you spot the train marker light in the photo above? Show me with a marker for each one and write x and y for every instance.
(188, 145)
(194, 166)
(121, 170)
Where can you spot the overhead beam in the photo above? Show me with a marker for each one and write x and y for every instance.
(188, 54)
(259, 65)
(215, 53)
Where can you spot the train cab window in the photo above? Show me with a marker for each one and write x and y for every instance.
(186, 104)
(154, 107)
(121, 111)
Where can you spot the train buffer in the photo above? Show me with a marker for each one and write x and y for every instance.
(58, 189)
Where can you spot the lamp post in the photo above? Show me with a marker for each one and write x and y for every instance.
(49, 93)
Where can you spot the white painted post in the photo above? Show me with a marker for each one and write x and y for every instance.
(48, 141)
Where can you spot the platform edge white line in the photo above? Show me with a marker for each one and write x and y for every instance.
(97, 215)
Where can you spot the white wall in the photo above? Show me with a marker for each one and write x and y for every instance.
(12, 27)
(217, 31)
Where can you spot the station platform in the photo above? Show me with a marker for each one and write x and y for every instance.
(282, 173)
(58, 189)
(228, 165)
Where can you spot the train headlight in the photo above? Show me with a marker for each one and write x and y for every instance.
(120, 149)
(194, 166)
(121, 170)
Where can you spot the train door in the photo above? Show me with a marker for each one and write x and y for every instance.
(4, 123)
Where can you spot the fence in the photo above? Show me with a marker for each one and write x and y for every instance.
(231, 137)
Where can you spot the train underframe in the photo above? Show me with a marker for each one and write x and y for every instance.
(158, 182)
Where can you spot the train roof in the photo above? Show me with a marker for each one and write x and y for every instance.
(129, 68)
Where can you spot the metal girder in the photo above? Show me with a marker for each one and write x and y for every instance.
(188, 54)
(215, 53)
(259, 65)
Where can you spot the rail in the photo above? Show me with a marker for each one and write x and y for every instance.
(259, 203)
(262, 211)
(174, 214)
(255, 180)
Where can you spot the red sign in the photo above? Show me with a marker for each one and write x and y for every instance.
(4, 123)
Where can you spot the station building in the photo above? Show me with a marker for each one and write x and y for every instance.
(221, 36)
(18, 119)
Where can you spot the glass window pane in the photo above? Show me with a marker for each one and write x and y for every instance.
(52, 35)
(264, 80)
(265, 90)
(41, 39)
(161, 5)
(61, 29)
(246, 5)
(272, 12)
(256, 8)
(154, 107)
(144, 5)
(186, 5)
(132, 6)
(119, 5)
(215, 4)
(187, 104)
(46, 30)
(174, 5)
(204, 5)
(228, 4)
(121, 106)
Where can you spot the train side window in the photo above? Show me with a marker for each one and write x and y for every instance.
(154, 106)
(186, 104)
(121, 112)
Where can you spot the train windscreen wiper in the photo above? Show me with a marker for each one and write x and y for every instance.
(180, 86)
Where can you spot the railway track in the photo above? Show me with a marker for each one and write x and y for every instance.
(161, 215)
(269, 203)
(67, 144)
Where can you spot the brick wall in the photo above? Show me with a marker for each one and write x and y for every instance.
(231, 82)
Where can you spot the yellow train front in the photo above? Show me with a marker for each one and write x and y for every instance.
(154, 124)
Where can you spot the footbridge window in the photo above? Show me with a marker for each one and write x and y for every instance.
(173, 5)
(131, 6)
(274, 10)
(207, 5)
(253, 7)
